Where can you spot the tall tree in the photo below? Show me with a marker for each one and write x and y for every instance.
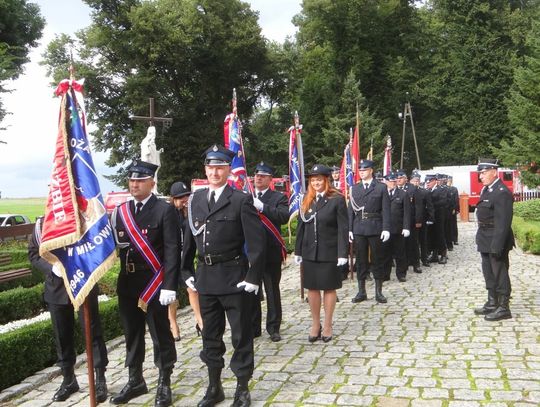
(523, 103)
(21, 26)
(187, 54)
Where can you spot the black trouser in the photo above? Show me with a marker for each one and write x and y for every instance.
(63, 323)
(271, 279)
(448, 230)
(369, 256)
(424, 246)
(495, 270)
(395, 249)
(412, 247)
(134, 321)
(436, 233)
(454, 228)
(238, 308)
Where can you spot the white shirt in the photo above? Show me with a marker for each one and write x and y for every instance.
(143, 201)
(262, 192)
(217, 192)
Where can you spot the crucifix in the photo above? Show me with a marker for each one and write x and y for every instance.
(149, 151)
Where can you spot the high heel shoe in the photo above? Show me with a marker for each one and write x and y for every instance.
(312, 339)
(198, 329)
(326, 339)
(177, 338)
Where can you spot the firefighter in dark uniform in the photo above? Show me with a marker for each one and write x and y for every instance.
(450, 211)
(63, 323)
(335, 177)
(274, 205)
(158, 222)
(412, 242)
(454, 210)
(400, 226)
(228, 234)
(436, 233)
(425, 215)
(369, 228)
(494, 239)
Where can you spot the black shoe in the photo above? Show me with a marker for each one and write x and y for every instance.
(402, 279)
(67, 388)
(130, 391)
(312, 339)
(214, 393)
(417, 269)
(163, 396)
(502, 311)
(198, 329)
(242, 397)
(443, 260)
(275, 337)
(101, 385)
(359, 297)
(450, 249)
(456, 244)
(426, 264)
(257, 334)
(379, 297)
(490, 305)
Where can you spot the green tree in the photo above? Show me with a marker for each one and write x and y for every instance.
(523, 103)
(187, 54)
(21, 26)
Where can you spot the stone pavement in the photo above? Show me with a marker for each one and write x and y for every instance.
(424, 348)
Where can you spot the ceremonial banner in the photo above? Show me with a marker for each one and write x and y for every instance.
(77, 236)
(346, 175)
(355, 154)
(296, 168)
(387, 164)
(232, 134)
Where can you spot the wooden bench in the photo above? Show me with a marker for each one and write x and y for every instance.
(14, 274)
(5, 259)
(17, 232)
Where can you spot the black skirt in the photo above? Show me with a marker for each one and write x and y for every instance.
(321, 275)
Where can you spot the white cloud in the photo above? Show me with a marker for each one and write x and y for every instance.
(25, 161)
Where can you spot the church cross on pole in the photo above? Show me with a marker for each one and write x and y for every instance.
(153, 119)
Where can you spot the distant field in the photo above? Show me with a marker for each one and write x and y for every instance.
(31, 207)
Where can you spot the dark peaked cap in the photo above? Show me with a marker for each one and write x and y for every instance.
(142, 170)
(218, 155)
(264, 169)
(179, 189)
(319, 169)
(487, 163)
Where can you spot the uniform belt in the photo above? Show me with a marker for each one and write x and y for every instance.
(366, 215)
(133, 267)
(210, 259)
(486, 225)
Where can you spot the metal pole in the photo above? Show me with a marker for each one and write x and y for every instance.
(414, 138)
(403, 134)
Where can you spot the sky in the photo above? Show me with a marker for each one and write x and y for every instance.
(31, 128)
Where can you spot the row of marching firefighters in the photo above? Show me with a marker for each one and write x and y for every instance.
(232, 239)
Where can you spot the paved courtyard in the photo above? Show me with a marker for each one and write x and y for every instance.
(425, 347)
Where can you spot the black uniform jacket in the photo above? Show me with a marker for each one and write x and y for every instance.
(494, 212)
(440, 197)
(376, 214)
(424, 210)
(276, 209)
(158, 221)
(55, 290)
(400, 211)
(232, 229)
(454, 198)
(415, 196)
(324, 237)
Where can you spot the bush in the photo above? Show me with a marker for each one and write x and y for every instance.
(528, 210)
(285, 235)
(21, 303)
(527, 233)
(30, 349)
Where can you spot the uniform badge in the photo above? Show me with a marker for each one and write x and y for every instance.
(310, 210)
(196, 223)
(121, 233)
(144, 231)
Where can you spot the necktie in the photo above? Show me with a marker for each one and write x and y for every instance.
(392, 193)
(212, 200)
(259, 195)
(366, 185)
(139, 207)
(319, 197)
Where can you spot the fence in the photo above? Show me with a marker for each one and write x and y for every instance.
(17, 232)
(526, 196)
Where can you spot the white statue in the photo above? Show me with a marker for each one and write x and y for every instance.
(149, 151)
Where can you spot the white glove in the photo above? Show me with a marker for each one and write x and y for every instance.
(297, 259)
(166, 296)
(405, 232)
(56, 271)
(250, 288)
(429, 222)
(341, 261)
(351, 237)
(257, 203)
(190, 282)
(385, 235)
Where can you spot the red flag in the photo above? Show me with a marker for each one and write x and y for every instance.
(355, 154)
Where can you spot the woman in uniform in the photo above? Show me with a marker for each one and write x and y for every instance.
(322, 246)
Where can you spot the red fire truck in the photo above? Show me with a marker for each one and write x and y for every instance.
(466, 179)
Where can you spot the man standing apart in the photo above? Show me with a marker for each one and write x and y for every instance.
(228, 234)
(275, 207)
(146, 230)
(494, 239)
(369, 228)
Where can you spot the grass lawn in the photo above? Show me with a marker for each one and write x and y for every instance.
(31, 207)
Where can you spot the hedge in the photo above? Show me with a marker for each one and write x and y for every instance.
(527, 233)
(21, 303)
(30, 349)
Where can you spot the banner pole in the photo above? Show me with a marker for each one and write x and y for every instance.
(89, 352)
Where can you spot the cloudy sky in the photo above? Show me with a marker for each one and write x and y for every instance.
(25, 161)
